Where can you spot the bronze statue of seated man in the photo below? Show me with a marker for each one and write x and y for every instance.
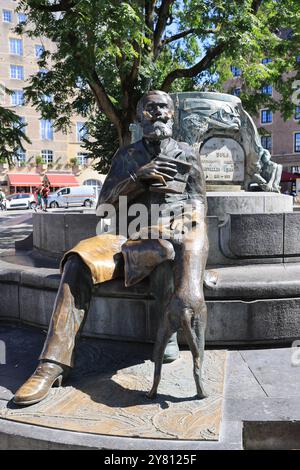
(155, 170)
(268, 173)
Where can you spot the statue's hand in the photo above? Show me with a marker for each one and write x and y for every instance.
(266, 187)
(158, 171)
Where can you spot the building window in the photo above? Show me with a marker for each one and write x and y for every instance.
(80, 83)
(20, 157)
(236, 71)
(297, 113)
(47, 156)
(17, 98)
(96, 186)
(295, 169)
(267, 60)
(92, 183)
(39, 50)
(43, 72)
(266, 142)
(7, 16)
(22, 120)
(266, 116)
(17, 72)
(22, 18)
(297, 142)
(82, 158)
(236, 92)
(267, 90)
(46, 129)
(47, 98)
(16, 46)
(20, 124)
(81, 131)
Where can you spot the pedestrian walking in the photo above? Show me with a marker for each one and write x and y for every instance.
(44, 195)
(38, 198)
(35, 192)
(2, 201)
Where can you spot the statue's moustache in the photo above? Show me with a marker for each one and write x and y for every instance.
(154, 119)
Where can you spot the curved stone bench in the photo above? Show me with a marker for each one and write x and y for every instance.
(251, 304)
(255, 250)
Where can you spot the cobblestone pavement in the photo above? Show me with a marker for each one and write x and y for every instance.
(14, 226)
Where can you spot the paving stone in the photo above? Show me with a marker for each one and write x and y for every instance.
(262, 409)
(275, 372)
(240, 382)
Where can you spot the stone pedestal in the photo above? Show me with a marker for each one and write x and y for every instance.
(223, 187)
(221, 203)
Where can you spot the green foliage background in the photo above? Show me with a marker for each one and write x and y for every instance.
(12, 135)
(106, 54)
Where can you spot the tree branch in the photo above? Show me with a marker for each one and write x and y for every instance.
(149, 13)
(182, 34)
(163, 15)
(255, 5)
(177, 36)
(103, 100)
(202, 65)
(63, 5)
(206, 61)
(136, 63)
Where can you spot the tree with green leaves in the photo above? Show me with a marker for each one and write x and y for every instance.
(108, 53)
(12, 135)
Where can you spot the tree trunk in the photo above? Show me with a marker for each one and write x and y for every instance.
(124, 133)
(128, 117)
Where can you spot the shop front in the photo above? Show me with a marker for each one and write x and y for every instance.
(23, 182)
(60, 180)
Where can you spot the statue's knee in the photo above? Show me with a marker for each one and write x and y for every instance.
(74, 263)
(73, 260)
(166, 249)
(76, 273)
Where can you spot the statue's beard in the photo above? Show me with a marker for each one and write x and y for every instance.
(157, 130)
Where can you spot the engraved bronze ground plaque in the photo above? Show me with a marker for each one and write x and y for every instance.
(115, 404)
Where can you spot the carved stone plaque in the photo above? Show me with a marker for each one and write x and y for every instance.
(223, 159)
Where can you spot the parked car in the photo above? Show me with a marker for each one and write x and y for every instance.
(20, 201)
(72, 196)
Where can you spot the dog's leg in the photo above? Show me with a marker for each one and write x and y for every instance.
(191, 261)
(163, 335)
(194, 331)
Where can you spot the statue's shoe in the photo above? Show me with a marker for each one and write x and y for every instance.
(37, 387)
(172, 350)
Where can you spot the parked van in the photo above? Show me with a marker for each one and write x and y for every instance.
(72, 196)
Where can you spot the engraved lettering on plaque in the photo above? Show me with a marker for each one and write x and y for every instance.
(223, 159)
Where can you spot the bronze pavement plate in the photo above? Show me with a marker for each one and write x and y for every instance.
(116, 404)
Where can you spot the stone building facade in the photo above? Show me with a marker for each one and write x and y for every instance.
(281, 138)
(49, 151)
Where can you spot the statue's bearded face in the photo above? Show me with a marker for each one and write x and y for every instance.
(157, 117)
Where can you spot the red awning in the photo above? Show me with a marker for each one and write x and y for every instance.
(286, 176)
(61, 179)
(24, 179)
